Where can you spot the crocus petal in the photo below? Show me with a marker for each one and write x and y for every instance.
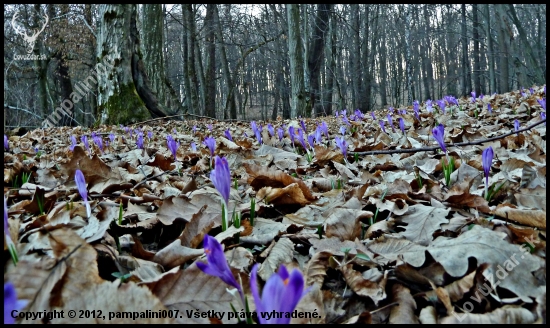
(11, 303)
(216, 262)
(486, 160)
(211, 144)
(221, 178)
(438, 133)
(81, 185)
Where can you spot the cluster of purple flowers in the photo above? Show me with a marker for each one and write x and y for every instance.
(282, 291)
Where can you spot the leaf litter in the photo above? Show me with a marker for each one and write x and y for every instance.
(378, 234)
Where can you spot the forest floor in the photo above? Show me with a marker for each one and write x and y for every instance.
(380, 236)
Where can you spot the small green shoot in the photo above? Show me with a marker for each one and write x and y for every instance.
(40, 201)
(493, 191)
(373, 219)
(122, 277)
(120, 212)
(448, 169)
(236, 184)
(25, 178)
(320, 231)
(252, 211)
(419, 180)
(363, 256)
(355, 157)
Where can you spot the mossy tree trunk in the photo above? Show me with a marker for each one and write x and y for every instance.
(124, 92)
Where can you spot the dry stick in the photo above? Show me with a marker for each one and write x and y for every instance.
(158, 119)
(468, 143)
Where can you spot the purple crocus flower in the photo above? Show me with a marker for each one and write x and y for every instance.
(373, 115)
(438, 133)
(543, 116)
(342, 130)
(390, 109)
(341, 143)
(172, 145)
(7, 144)
(282, 293)
(11, 303)
(303, 125)
(318, 135)
(516, 126)
(84, 140)
(280, 133)
(150, 135)
(311, 140)
(429, 107)
(271, 130)
(211, 144)
(336, 113)
(489, 108)
(216, 264)
(473, 93)
(210, 127)
(324, 128)
(451, 100)
(98, 141)
(441, 104)
(402, 124)
(194, 129)
(358, 114)
(344, 112)
(486, 160)
(139, 140)
(542, 103)
(390, 122)
(416, 109)
(111, 137)
(221, 178)
(531, 90)
(291, 134)
(228, 135)
(81, 185)
(193, 147)
(481, 96)
(301, 139)
(71, 147)
(258, 134)
(345, 120)
(382, 126)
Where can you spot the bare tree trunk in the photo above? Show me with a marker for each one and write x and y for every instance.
(490, 50)
(210, 78)
(230, 109)
(296, 61)
(504, 50)
(466, 75)
(383, 69)
(477, 66)
(316, 55)
(331, 69)
(123, 87)
(408, 53)
(189, 19)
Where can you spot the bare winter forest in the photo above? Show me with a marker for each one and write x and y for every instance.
(258, 61)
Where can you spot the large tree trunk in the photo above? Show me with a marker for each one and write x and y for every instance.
(191, 74)
(331, 69)
(504, 50)
(210, 78)
(383, 68)
(316, 55)
(124, 92)
(408, 54)
(466, 75)
(490, 50)
(230, 109)
(477, 66)
(296, 61)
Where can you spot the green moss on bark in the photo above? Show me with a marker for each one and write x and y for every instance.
(125, 106)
